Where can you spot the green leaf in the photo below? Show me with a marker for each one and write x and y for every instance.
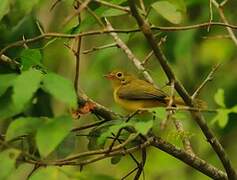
(143, 126)
(49, 172)
(168, 11)
(52, 133)
(60, 88)
(221, 117)
(6, 80)
(180, 115)
(24, 87)
(112, 129)
(8, 108)
(179, 4)
(113, 12)
(116, 159)
(219, 97)
(22, 172)
(26, 6)
(8, 160)
(4, 8)
(234, 109)
(159, 112)
(23, 126)
(29, 58)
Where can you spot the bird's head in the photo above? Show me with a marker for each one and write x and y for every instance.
(119, 78)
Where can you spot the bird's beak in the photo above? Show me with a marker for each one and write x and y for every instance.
(109, 76)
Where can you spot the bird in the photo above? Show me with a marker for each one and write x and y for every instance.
(134, 94)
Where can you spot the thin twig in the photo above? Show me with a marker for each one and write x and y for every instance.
(54, 5)
(102, 151)
(77, 56)
(142, 5)
(115, 139)
(223, 3)
(76, 13)
(208, 78)
(185, 140)
(113, 6)
(210, 15)
(91, 160)
(162, 40)
(98, 32)
(130, 154)
(186, 108)
(169, 114)
(222, 15)
(141, 165)
(178, 125)
(130, 172)
(93, 14)
(112, 45)
(8, 60)
(88, 126)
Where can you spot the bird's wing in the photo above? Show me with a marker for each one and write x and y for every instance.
(140, 90)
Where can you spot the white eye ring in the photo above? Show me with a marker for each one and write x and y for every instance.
(119, 74)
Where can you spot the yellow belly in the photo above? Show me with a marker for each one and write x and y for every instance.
(134, 105)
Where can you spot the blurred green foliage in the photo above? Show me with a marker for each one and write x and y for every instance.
(35, 98)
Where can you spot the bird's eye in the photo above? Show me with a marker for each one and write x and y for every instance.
(119, 74)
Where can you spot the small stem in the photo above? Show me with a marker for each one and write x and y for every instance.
(113, 6)
(208, 78)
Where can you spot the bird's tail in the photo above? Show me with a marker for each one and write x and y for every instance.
(178, 101)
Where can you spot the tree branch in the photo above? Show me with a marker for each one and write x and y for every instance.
(189, 159)
(217, 147)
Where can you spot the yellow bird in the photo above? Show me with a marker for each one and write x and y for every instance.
(136, 94)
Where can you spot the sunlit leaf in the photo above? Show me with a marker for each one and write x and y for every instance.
(23, 126)
(221, 117)
(22, 171)
(29, 58)
(8, 108)
(179, 4)
(219, 97)
(52, 133)
(4, 8)
(24, 87)
(234, 109)
(26, 6)
(168, 11)
(6, 80)
(60, 88)
(159, 112)
(8, 160)
(143, 126)
(49, 172)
